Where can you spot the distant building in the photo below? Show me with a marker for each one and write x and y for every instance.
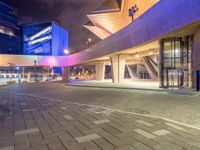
(10, 41)
(44, 39)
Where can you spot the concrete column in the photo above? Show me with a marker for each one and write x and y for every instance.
(100, 71)
(150, 69)
(66, 74)
(161, 64)
(131, 72)
(195, 57)
(118, 63)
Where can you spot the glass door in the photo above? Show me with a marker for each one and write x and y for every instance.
(174, 78)
(176, 62)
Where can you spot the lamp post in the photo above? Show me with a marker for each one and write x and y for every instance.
(12, 68)
(132, 11)
(89, 40)
(23, 73)
(66, 51)
(18, 74)
(35, 63)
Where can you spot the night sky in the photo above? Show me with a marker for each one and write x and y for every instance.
(70, 14)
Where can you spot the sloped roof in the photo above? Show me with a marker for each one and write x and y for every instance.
(109, 6)
(112, 15)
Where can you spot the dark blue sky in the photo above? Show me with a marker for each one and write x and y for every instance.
(71, 14)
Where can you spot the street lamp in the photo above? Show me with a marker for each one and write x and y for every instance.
(17, 67)
(89, 40)
(66, 51)
(18, 74)
(12, 68)
(132, 11)
(137, 55)
(35, 63)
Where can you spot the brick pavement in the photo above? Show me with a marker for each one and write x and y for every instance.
(43, 124)
(182, 108)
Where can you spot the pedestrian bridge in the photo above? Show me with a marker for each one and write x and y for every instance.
(166, 18)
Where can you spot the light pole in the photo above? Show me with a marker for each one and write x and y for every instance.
(23, 73)
(132, 11)
(89, 40)
(35, 63)
(12, 69)
(19, 74)
(66, 51)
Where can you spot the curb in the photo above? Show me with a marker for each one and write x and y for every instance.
(106, 87)
(182, 93)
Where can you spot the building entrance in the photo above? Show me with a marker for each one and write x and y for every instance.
(174, 77)
(175, 66)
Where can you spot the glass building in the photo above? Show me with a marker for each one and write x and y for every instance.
(175, 62)
(10, 41)
(44, 39)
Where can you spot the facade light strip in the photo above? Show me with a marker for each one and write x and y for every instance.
(40, 33)
(40, 40)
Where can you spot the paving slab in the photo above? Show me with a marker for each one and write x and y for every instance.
(87, 138)
(68, 117)
(101, 121)
(22, 132)
(145, 134)
(161, 132)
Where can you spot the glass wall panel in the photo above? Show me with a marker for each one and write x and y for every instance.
(176, 62)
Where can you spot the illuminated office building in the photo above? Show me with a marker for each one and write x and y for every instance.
(10, 41)
(44, 39)
(167, 60)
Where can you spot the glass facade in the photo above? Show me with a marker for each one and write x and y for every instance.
(37, 39)
(10, 44)
(175, 62)
(6, 13)
(44, 39)
(10, 41)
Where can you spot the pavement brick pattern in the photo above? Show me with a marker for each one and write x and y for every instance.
(42, 124)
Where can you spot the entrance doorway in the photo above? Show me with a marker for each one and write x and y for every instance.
(176, 62)
(174, 77)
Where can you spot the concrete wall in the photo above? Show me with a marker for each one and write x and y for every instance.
(59, 40)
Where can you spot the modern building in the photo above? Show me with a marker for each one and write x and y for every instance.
(10, 41)
(159, 41)
(167, 59)
(44, 39)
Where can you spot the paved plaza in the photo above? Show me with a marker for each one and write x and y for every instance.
(55, 116)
